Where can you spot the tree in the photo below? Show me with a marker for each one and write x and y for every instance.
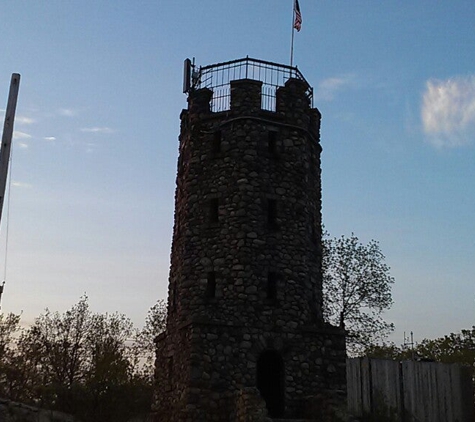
(388, 351)
(356, 290)
(9, 325)
(58, 341)
(109, 373)
(84, 364)
(452, 348)
(95, 366)
(155, 323)
(9, 379)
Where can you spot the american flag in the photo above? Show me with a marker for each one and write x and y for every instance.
(298, 16)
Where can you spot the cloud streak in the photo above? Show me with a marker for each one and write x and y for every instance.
(24, 120)
(448, 112)
(21, 185)
(20, 135)
(97, 130)
(67, 112)
(328, 88)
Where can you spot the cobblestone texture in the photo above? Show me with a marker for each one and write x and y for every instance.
(247, 215)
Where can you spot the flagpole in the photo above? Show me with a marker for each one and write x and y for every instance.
(293, 31)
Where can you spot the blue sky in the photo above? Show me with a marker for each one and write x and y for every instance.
(95, 148)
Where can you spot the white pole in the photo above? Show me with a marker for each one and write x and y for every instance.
(293, 30)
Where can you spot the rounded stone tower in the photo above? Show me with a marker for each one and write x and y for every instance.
(245, 332)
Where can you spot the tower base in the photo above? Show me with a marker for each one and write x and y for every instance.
(236, 373)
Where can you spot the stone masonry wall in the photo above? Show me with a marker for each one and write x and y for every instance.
(17, 412)
(240, 248)
(245, 273)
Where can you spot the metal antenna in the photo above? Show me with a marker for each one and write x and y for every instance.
(409, 341)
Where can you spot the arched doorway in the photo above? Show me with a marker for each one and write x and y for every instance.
(270, 381)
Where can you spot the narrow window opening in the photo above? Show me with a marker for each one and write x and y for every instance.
(170, 372)
(213, 210)
(174, 297)
(313, 229)
(272, 213)
(216, 144)
(313, 166)
(272, 142)
(211, 285)
(272, 285)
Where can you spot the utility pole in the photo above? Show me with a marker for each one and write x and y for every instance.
(7, 136)
(5, 148)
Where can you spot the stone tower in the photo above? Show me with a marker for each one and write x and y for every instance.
(245, 336)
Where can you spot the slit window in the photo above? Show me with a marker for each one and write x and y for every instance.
(213, 210)
(211, 285)
(170, 371)
(313, 229)
(272, 213)
(216, 144)
(271, 285)
(313, 166)
(174, 297)
(272, 142)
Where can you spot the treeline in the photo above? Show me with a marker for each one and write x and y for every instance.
(97, 367)
(451, 348)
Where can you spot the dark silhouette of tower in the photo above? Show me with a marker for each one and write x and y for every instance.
(245, 332)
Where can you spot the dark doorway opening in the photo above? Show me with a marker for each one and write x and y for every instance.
(270, 382)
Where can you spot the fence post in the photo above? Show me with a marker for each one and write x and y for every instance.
(401, 392)
(370, 383)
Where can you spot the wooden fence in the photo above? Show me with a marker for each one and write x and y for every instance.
(410, 391)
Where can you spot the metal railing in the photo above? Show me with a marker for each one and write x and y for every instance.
(272, 75)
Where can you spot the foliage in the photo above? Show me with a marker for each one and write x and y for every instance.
(80, 362)
(388, 351)
(154, 325)
(56, 344)
(9, 330)
(356, 289)
(451, 348)
(9, 325)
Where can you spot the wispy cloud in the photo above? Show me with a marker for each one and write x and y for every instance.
(21, 185)
(97, 130)
(49, 138)
(24, 120)
(22, 145)
(448, 111)
(20, 135)
(90, 148)
(328, 88)
(68, 112)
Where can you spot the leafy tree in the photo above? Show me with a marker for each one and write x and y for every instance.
(109, 370)
(95, 366)
(9, 329)
(452, 348)
(155, 323)
(9, 326)
(58, 341)
(356, 289)
(388, 351)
